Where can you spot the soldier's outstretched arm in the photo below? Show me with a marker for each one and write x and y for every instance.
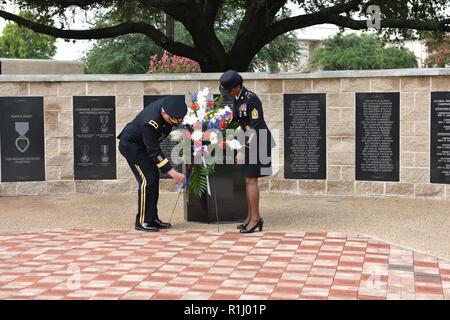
(158, 157)
(154, 150)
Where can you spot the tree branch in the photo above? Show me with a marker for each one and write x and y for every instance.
(259, 16)
(68, 3)
(110, 32)
(203, 35)
(210, 9)
(428, 25)
(307, 20)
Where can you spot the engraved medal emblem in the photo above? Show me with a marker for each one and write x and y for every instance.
(22, 142)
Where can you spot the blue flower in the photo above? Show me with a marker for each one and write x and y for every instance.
(194, 96)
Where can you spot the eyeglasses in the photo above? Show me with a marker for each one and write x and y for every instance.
(175, 120)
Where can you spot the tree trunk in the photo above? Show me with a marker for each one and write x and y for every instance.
(240, 63)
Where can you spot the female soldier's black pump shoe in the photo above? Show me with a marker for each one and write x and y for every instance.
(258, 225)
(242, 226)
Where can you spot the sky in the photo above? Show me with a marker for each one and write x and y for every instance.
(65, 50)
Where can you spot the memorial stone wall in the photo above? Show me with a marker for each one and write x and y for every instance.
(357, 133)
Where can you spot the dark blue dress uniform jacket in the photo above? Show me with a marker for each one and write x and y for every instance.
(139, 140)
(248, 112)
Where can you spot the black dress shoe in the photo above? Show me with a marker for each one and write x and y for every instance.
(162, 225)
(258, 225)
(147, 227)
(242, 226)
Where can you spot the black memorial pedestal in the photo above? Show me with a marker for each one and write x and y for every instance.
(228, 189)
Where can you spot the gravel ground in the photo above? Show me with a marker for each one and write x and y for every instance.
(421, 225)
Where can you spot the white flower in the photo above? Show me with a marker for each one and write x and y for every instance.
(204, 92)
(201, 114)
(201, 103)
(176, 135)
(227, 109)
(190, 120)
(221, 112)
(197, 135)
(234, 144)
(213, 138)
(202, 98)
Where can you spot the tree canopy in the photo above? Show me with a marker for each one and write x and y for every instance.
(357, 52)
(131, 53)
(260, 22)
(19, 42)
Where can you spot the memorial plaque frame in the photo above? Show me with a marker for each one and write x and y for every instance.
(371, 164)
(308, 107)
(94, 132)
(440, 137)
(22, 144)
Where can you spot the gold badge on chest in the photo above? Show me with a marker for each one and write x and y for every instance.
(255, 114)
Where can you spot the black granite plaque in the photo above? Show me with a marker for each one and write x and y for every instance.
(440, 137)
(377, 136)
(94, 138)
(305, 136)
(22, 139)
(166, 145)
(227, 191)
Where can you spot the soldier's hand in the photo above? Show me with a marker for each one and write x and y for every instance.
(178, 177)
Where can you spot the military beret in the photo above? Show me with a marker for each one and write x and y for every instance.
(175, 107)
(229, 80)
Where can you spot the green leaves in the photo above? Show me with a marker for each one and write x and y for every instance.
(360, 52)
(129, 54)
(198, 184)
(19, 42)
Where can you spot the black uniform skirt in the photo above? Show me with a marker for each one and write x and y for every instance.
(258, 162)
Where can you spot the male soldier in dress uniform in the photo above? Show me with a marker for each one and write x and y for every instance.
(139, 144)
(257, 161)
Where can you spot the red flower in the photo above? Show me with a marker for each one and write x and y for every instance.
(210, 104)
(222, 124)
(194, 107)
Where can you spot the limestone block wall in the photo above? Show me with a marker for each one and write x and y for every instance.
(414, 85)
(40, 66)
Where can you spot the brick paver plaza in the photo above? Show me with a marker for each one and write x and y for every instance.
(90, 264)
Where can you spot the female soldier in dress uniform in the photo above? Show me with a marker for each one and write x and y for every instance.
(256, 156)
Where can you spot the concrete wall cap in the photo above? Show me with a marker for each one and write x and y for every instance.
(215, 76)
